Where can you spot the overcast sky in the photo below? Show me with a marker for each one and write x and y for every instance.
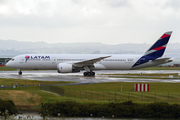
(105, 21)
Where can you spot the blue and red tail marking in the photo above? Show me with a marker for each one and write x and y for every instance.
(156, 50)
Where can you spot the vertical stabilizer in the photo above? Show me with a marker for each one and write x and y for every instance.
(156, 50)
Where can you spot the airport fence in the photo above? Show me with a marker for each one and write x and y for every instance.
(106, 96)
(116, 96)
(20, 86)
(54, 89)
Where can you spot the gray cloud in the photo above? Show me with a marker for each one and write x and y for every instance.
(117, 3)
(174, 4)
(103, 21)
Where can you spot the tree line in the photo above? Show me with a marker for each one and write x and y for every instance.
(126, 109)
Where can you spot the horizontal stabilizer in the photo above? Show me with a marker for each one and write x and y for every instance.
(163, 59)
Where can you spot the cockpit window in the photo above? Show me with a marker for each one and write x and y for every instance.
(12, 59)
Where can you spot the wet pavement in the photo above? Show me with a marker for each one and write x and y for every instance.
(52, 75)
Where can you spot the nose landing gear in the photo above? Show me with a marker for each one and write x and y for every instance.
(19, 71)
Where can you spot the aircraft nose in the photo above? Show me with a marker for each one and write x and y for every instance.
(9, 64)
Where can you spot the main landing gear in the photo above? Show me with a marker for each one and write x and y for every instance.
(89, 73)
(19, 71)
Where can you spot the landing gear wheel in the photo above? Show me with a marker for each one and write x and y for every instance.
(20, 72)
(85, 74)
(89, 73)
(93, 73)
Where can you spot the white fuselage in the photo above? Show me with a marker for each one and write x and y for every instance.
(50, 61)
(69, 63)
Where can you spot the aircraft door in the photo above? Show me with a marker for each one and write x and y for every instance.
(21, 60)
(53, 60)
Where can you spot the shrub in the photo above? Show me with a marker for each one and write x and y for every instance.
(7, 105)
(125, 109)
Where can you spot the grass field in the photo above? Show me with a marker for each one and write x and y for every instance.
(90, 93)
(161, 68)
(166, 92)
(30, 94)
(21, 82)
(4, 68)
(146, 75)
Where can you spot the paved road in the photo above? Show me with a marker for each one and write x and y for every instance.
(78, 77)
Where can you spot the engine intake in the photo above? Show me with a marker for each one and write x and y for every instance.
(66, 68)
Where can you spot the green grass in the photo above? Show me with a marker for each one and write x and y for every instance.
(30, 94)
(10, 81)
(161, 68)
(126, 86)
(26, 84)
(111, 92)
(4, 68)
(145, 75)
(91, 93)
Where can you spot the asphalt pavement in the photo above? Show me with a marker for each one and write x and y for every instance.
(52, 75)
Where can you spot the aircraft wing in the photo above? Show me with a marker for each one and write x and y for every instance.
(89, 62)
(163, 60)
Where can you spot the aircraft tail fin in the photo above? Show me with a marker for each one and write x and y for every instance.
(158, 48)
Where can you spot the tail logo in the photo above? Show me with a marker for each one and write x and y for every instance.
(159, 48)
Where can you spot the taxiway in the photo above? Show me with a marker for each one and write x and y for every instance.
(79, 78)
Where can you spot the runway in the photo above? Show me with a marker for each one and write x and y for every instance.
(80, 79)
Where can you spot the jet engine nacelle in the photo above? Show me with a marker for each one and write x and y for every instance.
(64, 68)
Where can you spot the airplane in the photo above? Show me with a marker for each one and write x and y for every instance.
(71, 63)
